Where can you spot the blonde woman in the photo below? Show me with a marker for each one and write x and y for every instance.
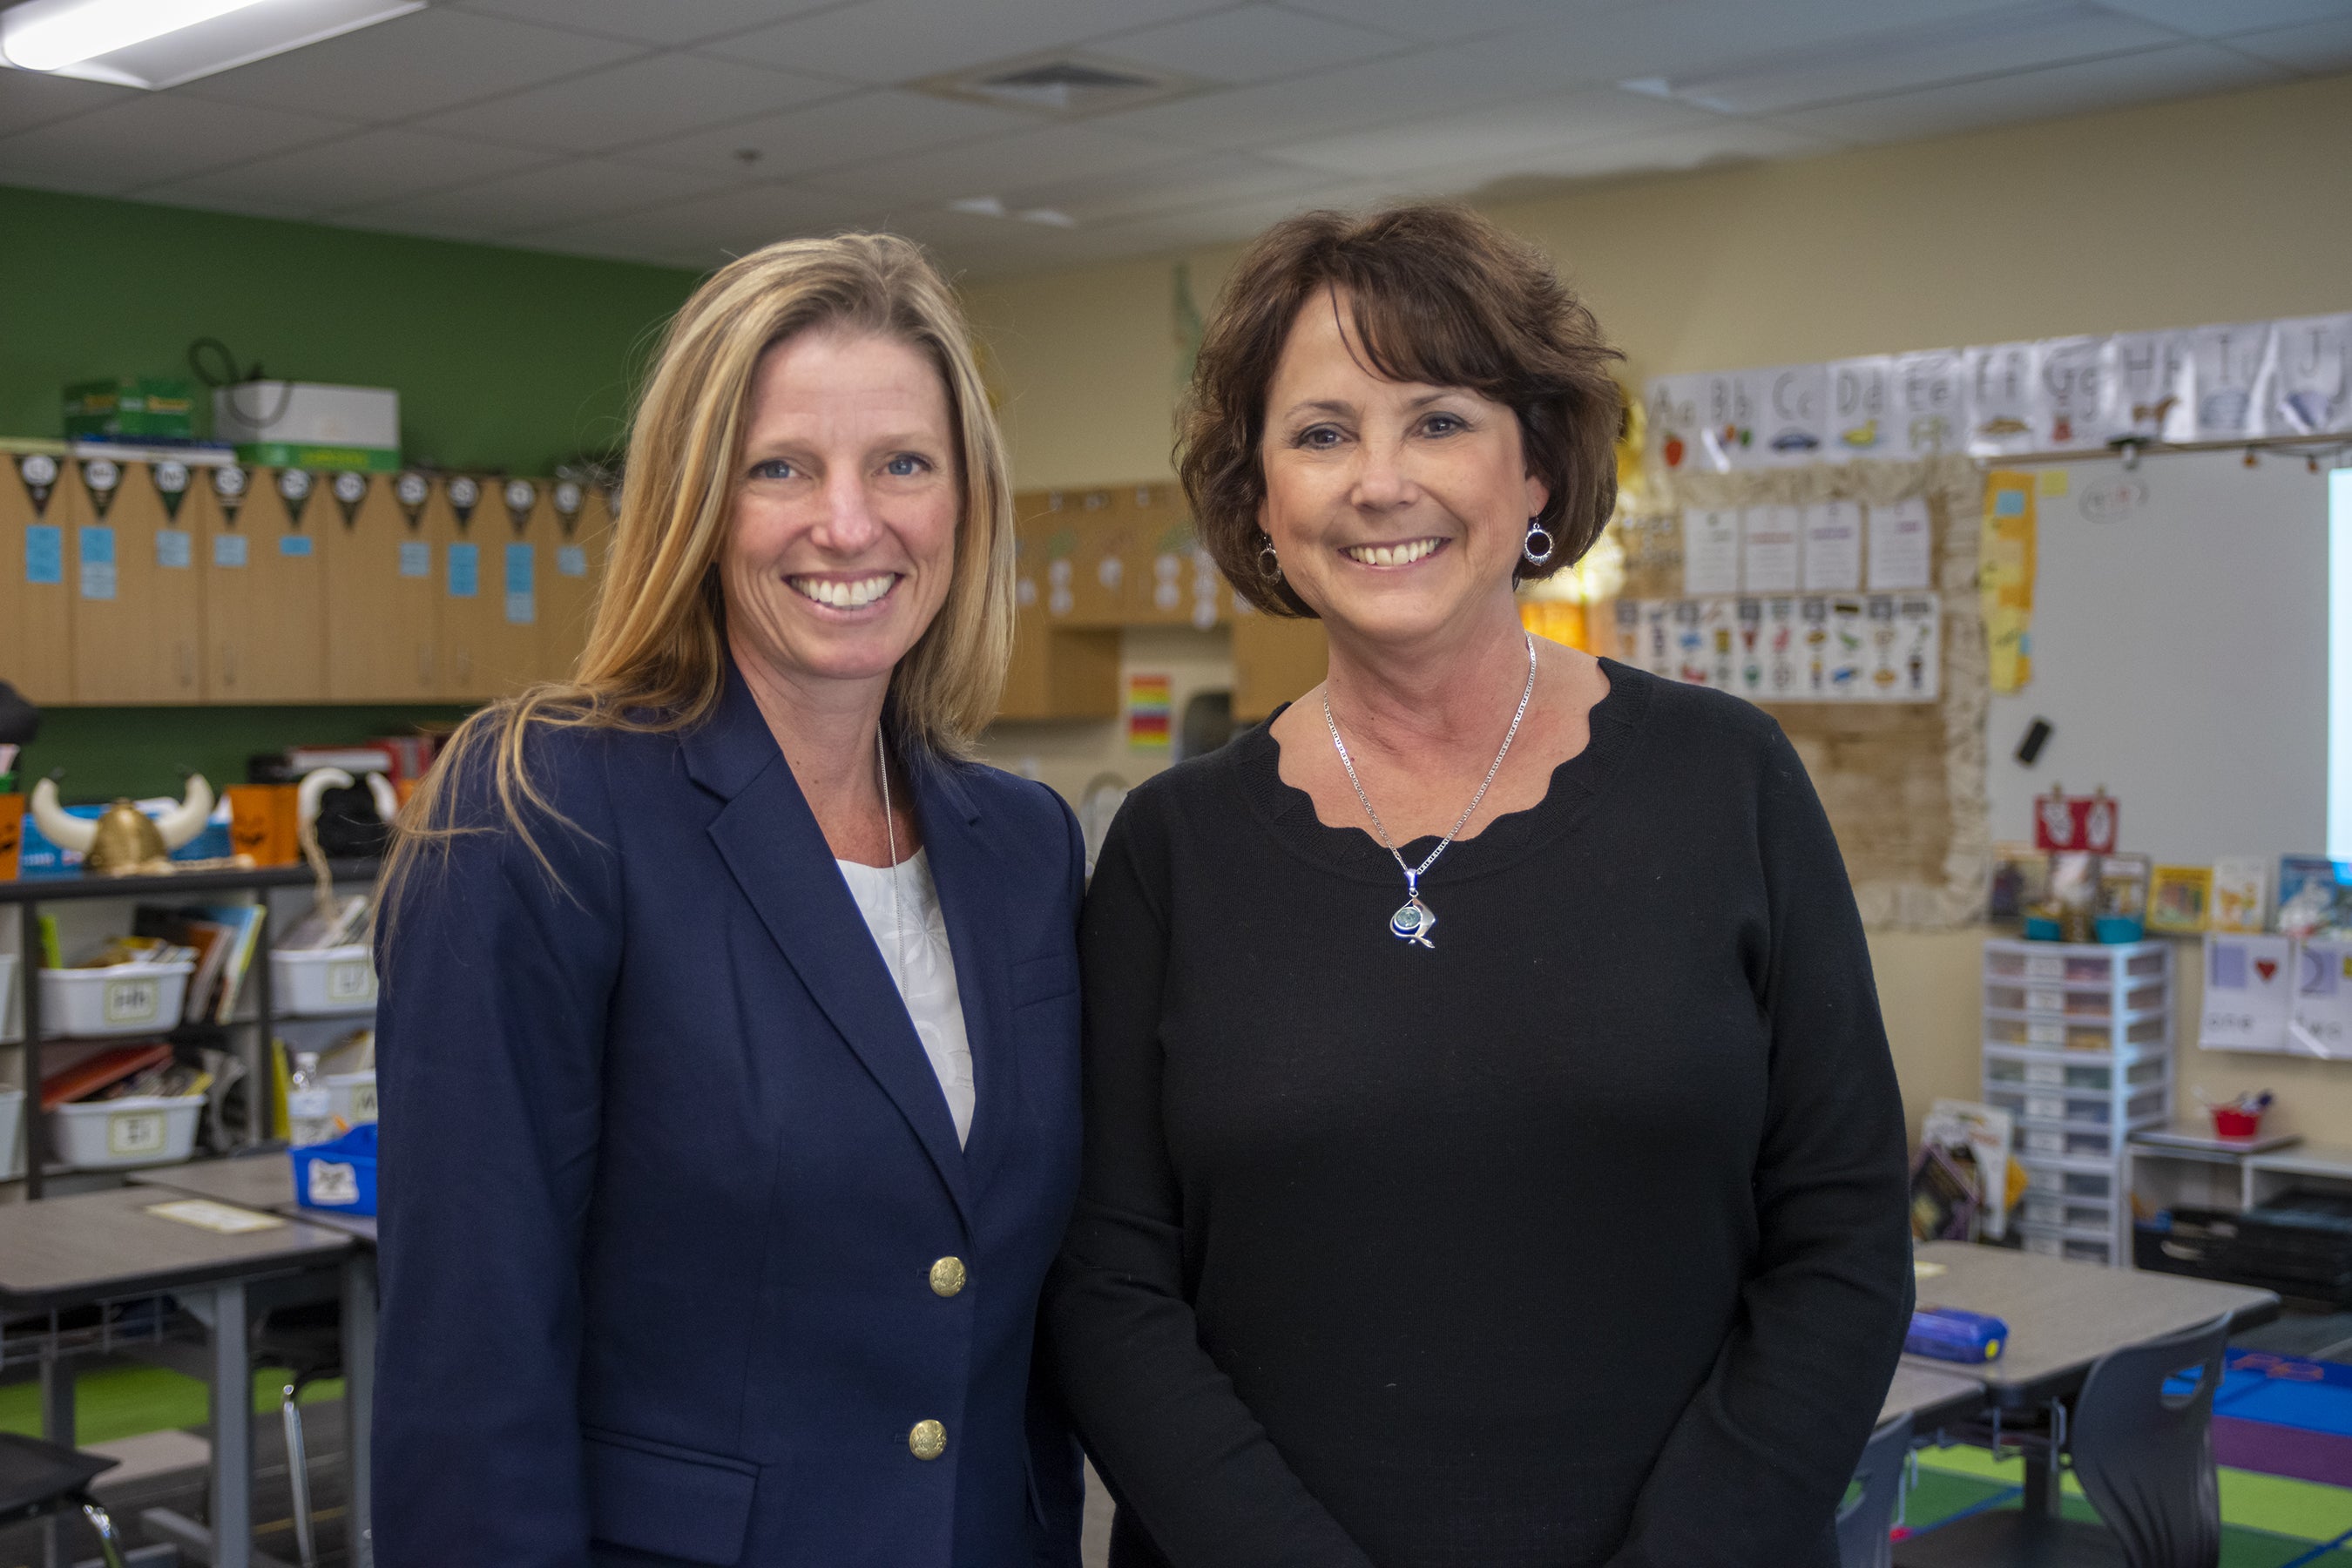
(730, 1030)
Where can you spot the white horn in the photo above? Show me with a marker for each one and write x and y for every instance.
(387, 803)
(66, 832)
(317, 783)
(185, 821)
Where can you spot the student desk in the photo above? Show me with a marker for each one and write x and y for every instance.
(265, 1182)
(64, 1252)
(2063, 1316)
(1934, 1399)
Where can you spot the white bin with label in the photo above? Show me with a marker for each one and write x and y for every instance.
(121, 999)
(12, 1128)
(137, 1130)
(320, 981)
(351, 1096)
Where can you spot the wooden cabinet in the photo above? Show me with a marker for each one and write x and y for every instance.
(579, 535)
(35, 602)
(264, 584)
(138, 623)
(489, 602)
(1275, 661)
(383, 603)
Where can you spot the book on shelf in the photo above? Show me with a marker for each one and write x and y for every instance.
(244, 928)
(80, 1080)
(338, 923)
(193, 930)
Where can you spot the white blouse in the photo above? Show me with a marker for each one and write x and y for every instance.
(913, 938)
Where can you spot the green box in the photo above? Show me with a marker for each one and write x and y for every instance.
(132, 405)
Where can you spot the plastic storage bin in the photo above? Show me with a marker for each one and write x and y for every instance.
(12, 1128)
(310, 982)
(124, 999)
(2078, 1246)
(114, 1134)
(351, 1096)
(9, 1027)
(2074, 1035)
(339, 1175)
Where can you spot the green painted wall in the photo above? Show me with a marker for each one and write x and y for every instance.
(503, 359)
(107, 752)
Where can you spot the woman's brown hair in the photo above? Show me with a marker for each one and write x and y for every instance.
(1437, 294)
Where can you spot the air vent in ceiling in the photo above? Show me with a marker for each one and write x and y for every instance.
(1061, 84)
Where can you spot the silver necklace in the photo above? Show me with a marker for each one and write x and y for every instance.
(1414, 920)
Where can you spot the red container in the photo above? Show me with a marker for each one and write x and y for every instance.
(2230, 1123)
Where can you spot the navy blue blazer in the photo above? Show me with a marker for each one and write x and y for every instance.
(666, 1173)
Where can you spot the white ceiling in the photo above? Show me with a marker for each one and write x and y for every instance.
(683, 130)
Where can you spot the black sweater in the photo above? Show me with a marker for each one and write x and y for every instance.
(1580, 1240)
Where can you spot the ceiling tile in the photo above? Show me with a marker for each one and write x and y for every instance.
(670, 22)
(1688, 37)
(917, 182)
(427, 61)
(2207, 19)
(546, 197)
(655, 96)
(886, 41)
(1521, 175)
(2316, 48)
(1253, 43)
(371, 167)
(1961, 50)
(31, 98)
(154, 137)
(861, 127)
(1442, 23)
(1206, 179)
(2180, 71)
(1376, 92)
(732, 221)
(1484, 135)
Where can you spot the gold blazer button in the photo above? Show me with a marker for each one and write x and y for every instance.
(946, 1276)
(929, 1440)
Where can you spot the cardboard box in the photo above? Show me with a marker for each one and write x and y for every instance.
(303, 425)
(158, 407)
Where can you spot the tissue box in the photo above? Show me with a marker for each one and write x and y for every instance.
(303, 425)
(157, 407)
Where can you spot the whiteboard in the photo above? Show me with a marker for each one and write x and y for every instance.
(2180, 646)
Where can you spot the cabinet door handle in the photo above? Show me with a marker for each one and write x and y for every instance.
(187, 664)
(229, 665)
(465, 664)
(424, 666)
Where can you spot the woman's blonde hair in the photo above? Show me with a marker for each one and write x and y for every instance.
(655, 658)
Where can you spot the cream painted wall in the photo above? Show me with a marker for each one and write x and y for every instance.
(2214, 209)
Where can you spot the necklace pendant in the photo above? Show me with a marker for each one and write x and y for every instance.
(1414, 921)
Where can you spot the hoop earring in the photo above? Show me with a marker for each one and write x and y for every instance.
(1269, 564)
(1536, 530)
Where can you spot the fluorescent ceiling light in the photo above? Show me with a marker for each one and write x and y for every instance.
(162, 43)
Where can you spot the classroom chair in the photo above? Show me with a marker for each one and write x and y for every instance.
(40, 1479)
(2142, 1445)
(308, 1342)
(1865, 1521)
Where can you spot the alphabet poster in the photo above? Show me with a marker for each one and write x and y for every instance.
(1876, 647)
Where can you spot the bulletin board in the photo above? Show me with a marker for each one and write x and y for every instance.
(1903, 783)
(2179, 654)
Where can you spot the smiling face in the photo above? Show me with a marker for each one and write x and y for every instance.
(1398, 510)
(843, 537)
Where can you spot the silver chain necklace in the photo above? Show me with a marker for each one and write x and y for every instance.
(1413, 920)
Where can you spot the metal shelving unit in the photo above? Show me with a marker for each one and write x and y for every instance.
(27, 898)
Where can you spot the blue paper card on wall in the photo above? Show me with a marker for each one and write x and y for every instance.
(293, 545)
(44, 554)
(229, 550)
(174, 551)
(464, 571)
(415, 558)
(96, 543)
(571, 560)
(522, 568)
